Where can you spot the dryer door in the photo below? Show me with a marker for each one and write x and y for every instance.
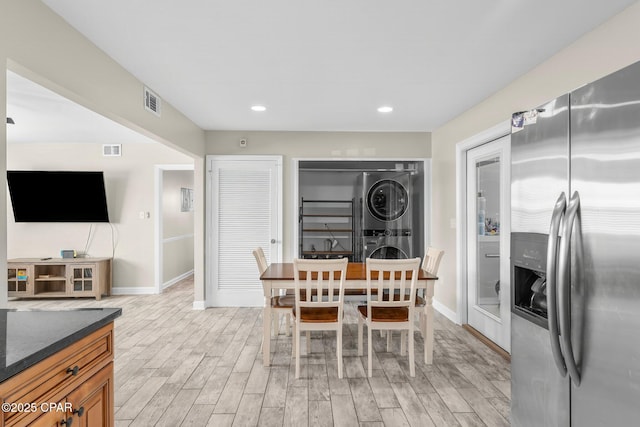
(387, 200)
(388, 252)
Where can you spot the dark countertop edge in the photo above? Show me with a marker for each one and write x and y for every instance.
(57, 346)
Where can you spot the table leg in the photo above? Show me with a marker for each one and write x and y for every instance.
(266, 327)
(428, 313)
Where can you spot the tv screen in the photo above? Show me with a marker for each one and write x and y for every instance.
(58, 196)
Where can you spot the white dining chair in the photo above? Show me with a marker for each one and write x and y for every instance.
(280, 304)
(319, 302)
(430, 264)
(384, 277)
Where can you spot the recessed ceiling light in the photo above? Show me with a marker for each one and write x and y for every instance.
(385, 109)
(258, 108)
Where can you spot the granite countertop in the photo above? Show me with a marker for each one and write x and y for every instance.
(30, 336)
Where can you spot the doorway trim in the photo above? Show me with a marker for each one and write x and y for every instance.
(495, 132)
(295, 189)
(158, 229)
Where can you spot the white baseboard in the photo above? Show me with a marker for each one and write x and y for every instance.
(147, 290)
(198, 305)
(176, 279)
(446, 312)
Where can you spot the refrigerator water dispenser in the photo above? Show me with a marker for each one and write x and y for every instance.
(528, 279)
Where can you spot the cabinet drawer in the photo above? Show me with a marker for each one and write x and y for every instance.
(48, 419)
(50, 380)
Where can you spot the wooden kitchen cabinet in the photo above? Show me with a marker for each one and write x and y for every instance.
(79, 378)
(59, 277)
(92, 402)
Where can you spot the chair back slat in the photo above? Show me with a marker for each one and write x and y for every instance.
(380, 284)
(308, 285)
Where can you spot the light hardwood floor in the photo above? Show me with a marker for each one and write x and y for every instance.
(178, 367)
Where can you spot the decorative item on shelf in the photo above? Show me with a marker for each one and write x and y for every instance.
(481, 206)
(21, 274)
(68, 253)
(492, 227)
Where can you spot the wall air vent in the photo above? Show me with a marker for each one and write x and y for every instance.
(112, 150)
(152, 101)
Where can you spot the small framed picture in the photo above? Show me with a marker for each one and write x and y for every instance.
(186, 196)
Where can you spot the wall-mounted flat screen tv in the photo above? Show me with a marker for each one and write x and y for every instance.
(58, 196)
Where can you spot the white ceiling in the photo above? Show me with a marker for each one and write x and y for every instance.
(41, 115)
(327, 65)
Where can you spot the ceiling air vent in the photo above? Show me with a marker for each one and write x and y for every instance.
(152, 101)
(112, 150)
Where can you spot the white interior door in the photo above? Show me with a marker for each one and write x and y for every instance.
(488, 213)
(244, 211)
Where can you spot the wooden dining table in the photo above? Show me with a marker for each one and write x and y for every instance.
(280, 276)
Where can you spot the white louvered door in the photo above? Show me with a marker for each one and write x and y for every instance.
(244, 211)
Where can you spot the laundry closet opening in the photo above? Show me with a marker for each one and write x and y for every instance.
(362, 208)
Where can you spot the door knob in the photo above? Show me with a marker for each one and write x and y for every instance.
(273, 241)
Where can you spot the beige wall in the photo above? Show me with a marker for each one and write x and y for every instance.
(130, 183)
(177, 226)
(325, 145)
(38, 44)
(598, 53)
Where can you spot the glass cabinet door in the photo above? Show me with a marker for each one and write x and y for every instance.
(82, 278)
(18, 280)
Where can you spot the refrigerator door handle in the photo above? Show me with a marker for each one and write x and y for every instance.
(564, 288)
(551, 275)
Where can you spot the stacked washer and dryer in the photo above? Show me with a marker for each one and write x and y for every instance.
(385, 223)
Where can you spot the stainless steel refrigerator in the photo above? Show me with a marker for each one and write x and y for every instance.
(575, 257)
